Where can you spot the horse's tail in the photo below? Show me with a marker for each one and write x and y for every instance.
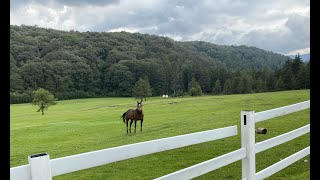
(123, 116)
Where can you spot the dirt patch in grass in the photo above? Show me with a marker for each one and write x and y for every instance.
(266, 104)
(172, 102)
(96, 107)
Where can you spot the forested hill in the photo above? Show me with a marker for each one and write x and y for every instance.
(87, 64)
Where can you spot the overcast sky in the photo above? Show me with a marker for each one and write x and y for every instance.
(281, 26)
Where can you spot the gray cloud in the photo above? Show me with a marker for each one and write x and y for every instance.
(279, 26)
(87, 2)
(294, 34)
(15, 4)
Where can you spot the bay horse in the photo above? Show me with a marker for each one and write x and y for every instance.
(133, 115)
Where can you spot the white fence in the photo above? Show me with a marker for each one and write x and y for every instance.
(42, 168)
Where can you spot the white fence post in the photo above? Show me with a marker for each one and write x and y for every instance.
(40, 166)
(248, 142)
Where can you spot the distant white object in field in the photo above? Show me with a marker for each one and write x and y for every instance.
(165, 96)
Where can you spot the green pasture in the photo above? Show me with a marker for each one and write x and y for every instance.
(83, 125)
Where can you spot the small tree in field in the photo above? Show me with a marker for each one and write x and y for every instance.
(43, 99)
(195, 89)
(142, 89)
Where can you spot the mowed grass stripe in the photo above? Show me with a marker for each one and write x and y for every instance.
(78, 126)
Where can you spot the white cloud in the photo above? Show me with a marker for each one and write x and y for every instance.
(133, 29)
(302, 11)
(174, 36)
(55, 17)
(279, 26)
(300, 51)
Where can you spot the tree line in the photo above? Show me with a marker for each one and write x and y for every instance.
(75, 65)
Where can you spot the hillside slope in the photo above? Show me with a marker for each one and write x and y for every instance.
(73, 64)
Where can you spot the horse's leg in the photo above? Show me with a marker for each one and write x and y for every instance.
(141, 125)
(127, 125)
(131, 124)
(135, 126)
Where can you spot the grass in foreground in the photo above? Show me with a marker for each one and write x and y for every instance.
(78, 126)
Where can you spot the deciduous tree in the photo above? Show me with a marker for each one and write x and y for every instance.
(142, 89)
(43, 99)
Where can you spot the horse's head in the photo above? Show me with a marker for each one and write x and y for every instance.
(139, 105)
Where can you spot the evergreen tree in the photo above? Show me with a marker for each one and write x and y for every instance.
(235, 83)
(261, 85)
(288, 76)
(217, 87)
(271, 82)
(247, 79)
(227, 88)
(300, 81)
(298, 73)
(264, 86)
(296, 64)
(280, 85)
(307, 82)
(241, 86)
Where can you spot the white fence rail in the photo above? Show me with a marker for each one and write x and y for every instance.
(246, 153)
(20, 172)
(264, 115)
(283, 163)
(261, 146)
(97, 158)
(207, 166)
(91, 159)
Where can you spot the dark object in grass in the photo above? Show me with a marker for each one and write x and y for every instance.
(261, 131)
(133, 115)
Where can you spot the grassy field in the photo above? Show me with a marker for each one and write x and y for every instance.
(78, 126)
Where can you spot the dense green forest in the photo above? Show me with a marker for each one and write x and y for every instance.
(72, 64)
